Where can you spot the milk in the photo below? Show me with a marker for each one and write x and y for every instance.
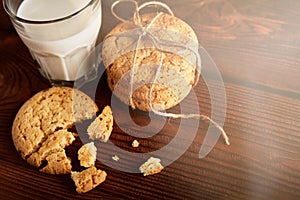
(60, 46)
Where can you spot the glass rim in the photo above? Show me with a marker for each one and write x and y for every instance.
(20, 19)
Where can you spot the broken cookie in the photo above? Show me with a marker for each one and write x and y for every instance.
(151, 166)
(88, 179)
(41, 127)
(101, 127)
(87, 155)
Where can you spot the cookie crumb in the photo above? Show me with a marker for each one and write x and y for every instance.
(102, 126)
(135, 144)
(116, 158)
(151, 166)
(88, 179)
(87, 155)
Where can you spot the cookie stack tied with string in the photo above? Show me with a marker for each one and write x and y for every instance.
(152, 61)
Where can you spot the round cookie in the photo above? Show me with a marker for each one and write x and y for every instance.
(178, 71)
(40, 129)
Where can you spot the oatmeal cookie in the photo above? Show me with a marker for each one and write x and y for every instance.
(40, 130)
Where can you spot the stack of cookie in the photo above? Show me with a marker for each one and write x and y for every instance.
(153, 60)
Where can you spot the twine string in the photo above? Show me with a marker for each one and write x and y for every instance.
(158, 43)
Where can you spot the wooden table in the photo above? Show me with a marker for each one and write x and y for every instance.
(256, 46)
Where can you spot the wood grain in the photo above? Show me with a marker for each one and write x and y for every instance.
(255, 45)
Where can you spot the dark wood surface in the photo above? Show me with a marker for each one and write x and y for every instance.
(256, 46)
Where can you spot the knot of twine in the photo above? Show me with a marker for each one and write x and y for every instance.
(158, 43)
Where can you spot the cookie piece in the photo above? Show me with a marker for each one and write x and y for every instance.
(57, 163)
(40, 129)
(102, 126)
(52, 146)
(177, 75)
(135, 144)
(88, 179)
(151, 166)
(87, 155)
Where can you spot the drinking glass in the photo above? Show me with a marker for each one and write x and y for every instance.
(59, 34)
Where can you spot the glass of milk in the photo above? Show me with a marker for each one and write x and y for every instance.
(58, 33)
